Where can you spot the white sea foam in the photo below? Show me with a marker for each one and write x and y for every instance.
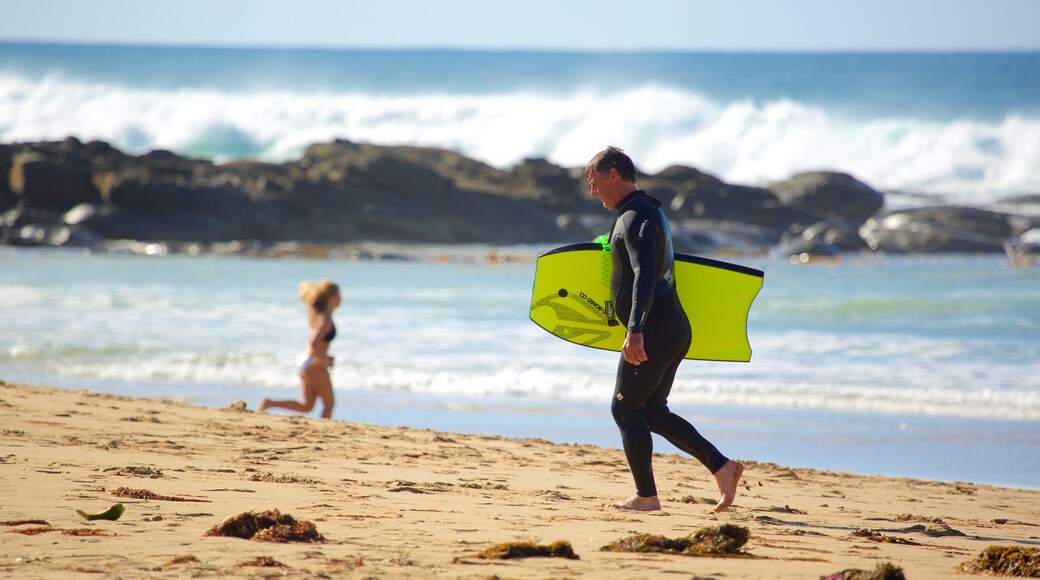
(952, 338)
(918, 394)
(740, 141)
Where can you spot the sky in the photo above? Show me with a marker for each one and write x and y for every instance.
(604, 25)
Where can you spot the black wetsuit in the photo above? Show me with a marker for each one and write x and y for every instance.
(643, 287)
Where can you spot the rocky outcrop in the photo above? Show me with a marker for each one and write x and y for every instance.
(74, 193)
(824, 238)
(336, 192)
(829, 195)
(53, 184)
(710, 214)
(939, 229)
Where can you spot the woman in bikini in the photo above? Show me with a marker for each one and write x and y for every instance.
(321, 298)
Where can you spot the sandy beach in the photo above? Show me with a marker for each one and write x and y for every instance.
(408, 503)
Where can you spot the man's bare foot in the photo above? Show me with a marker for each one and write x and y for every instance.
(728, 478)
(639, 504)
(263, 405)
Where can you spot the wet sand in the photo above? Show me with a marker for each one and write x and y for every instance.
(410, 503)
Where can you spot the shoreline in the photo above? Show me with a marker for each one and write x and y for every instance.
(400, 502)
(855, 442)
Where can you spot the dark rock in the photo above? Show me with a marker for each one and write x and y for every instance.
(942, 229)
(346, 192)
(261, 181)
(45, 235)
(813, 247)
(585, 226)
(50, 183)
(550, 187)
(23, 216)
(1025, 245)
(673, 179)
(824, 238)
(1033, 199)
(737, 203)
(108, 221)
(32, 235)
(7, 197)
(830, 195)
(679, 174)
(410, 194)
(697, 236)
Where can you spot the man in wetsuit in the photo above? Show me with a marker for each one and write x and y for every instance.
(643, 288)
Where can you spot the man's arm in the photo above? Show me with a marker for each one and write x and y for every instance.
(640, 242)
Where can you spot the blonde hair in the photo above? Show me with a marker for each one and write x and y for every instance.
(316, 296)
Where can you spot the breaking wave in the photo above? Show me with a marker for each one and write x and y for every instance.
(744, 141)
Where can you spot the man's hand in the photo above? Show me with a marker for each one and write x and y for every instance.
(633, 348)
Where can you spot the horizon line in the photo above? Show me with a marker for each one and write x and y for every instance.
(302, 47)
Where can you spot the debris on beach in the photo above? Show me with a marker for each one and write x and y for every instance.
(269, 477)
(145, 494)
(33, 531)
(344, 564)
(180, 560)
(876, 536)
(267, 526)
(485, 486)
(1005, 561)
(786, 509)
(703, 500)
(141, 470)
(917, 518)
(113, 513)
(554, 495)
(237, 406)
(284, 533)
(25, 522)
(883, 571)
(933, 531)
(261, 562)
(726, 540)
(85, 532)
(510, 550)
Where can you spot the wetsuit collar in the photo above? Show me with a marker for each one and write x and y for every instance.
(637, 194)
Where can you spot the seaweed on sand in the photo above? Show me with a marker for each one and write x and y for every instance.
(85, 532)
(261, 562)
(724, 540)
(1006, 561)
(145, 494)
(267, 526)
(509, 550)
(876, 536)
(33, 531)
(285, 533)
(181, 560)
(883, 571)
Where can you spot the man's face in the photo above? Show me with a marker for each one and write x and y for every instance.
(602, 188)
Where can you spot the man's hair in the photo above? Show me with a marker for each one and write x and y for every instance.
(612, 157)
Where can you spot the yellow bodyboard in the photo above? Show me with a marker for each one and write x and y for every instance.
(571, 299)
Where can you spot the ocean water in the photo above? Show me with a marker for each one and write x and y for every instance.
(907, 366)
(962, 127)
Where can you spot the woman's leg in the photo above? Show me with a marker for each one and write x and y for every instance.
(321, 388)
(308, 378)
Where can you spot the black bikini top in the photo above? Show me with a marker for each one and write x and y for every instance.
(332, 334)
